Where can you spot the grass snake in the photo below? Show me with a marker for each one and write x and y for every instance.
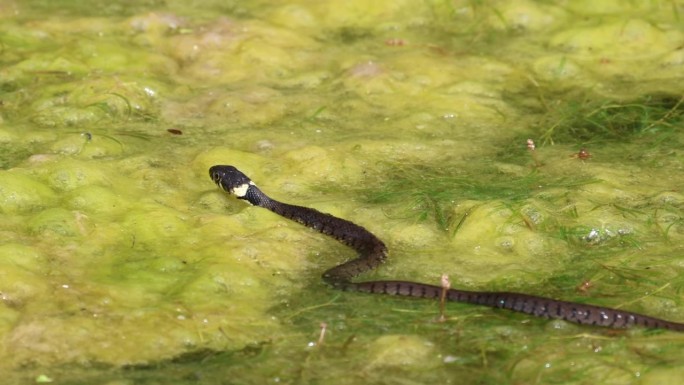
(372, 252)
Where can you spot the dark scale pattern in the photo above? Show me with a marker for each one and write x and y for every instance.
(372, 253)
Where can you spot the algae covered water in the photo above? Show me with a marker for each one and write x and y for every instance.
(121, 262)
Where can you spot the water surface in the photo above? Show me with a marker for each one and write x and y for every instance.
(121, 262)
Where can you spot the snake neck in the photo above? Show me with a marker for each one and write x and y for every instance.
(346, 232)
(372, 251)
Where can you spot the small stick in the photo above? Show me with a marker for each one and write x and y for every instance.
(321, 337)
(446, 285)
(531, 147)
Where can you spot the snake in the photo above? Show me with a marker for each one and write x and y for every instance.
(372, 252)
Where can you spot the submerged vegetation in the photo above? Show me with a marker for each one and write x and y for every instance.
(597, 121)
(432, 192)
(512, 175)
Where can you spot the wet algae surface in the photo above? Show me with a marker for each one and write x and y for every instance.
(122, 263)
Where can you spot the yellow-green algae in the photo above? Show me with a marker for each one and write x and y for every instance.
(407, 117)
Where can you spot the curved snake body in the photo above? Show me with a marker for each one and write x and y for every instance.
(372, 253)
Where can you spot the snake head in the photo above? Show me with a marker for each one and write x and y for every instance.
(231, 180)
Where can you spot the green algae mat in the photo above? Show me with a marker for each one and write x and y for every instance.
(121, 262)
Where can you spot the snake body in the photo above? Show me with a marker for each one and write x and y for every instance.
(372, 252)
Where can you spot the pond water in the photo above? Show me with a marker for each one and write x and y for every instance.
(121, 262)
